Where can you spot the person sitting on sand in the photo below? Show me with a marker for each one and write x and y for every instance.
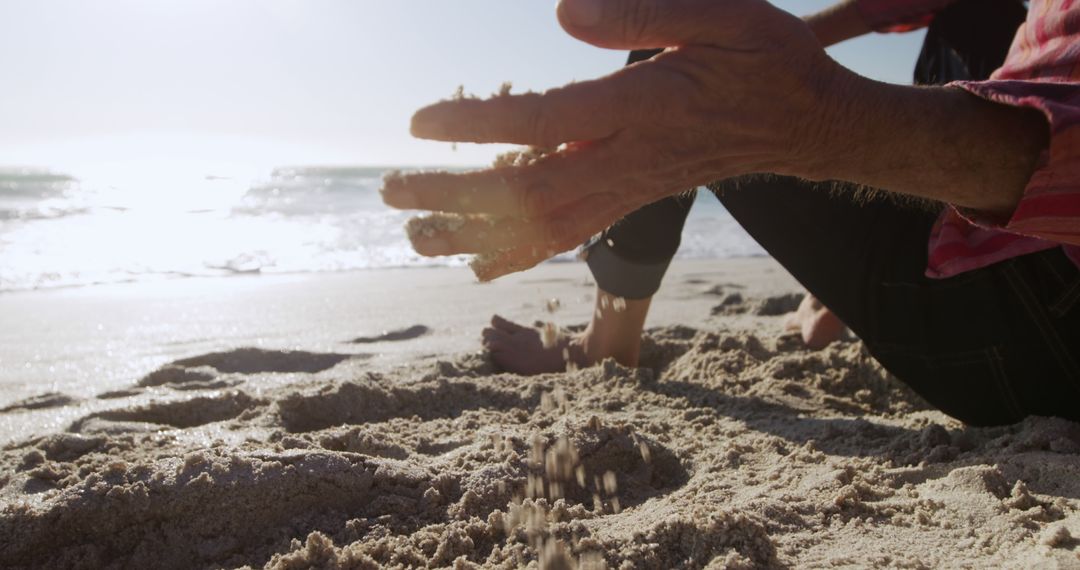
(976, 307)
(629, 259)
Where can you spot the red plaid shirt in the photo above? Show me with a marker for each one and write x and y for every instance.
(1042, 71)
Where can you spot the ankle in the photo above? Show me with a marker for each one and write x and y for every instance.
(598, 346)
(615, 329)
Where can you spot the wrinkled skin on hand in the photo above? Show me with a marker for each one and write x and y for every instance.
(742, 87)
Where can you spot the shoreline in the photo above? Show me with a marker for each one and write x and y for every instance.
(181, 277)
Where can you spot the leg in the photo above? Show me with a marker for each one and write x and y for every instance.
(628, 262)
(980, 346)
(828, 240)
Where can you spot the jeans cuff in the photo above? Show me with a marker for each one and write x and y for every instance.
(623, 278)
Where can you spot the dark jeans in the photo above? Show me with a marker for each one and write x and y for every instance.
(988, 346)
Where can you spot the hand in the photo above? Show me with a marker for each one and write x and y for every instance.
(743, 87)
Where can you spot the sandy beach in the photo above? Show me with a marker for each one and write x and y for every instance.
(351, 421)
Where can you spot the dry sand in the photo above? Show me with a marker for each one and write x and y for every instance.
(731, 447)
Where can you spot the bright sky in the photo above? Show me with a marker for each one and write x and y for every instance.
(100, 84)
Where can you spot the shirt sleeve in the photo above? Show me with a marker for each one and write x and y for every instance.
(898, 15)
(1050, 206)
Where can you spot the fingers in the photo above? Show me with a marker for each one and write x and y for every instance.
(483, 191)
(586, 110)
(556, 232)
(491, 266)
(534, 190)
(508, 191)
(645, 24)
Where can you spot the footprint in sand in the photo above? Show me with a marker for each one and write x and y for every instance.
(732, 304)
(115, 394)
(173, 374)
(415, 331)
(374, 400)
(778, 305)
(187, 413)
(258, 360)
(39, 402)
(772, 306)
(721, 289)
(203, 372)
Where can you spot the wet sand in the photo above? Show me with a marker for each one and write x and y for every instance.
(350, 421)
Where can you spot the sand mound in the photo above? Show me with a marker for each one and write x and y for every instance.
(724, 450)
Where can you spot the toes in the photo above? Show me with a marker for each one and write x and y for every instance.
(505, 325)
(494, 338)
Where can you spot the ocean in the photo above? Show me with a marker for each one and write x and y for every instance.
(58, 230)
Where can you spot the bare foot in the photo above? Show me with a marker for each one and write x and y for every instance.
(519, 349)
(817, 324)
